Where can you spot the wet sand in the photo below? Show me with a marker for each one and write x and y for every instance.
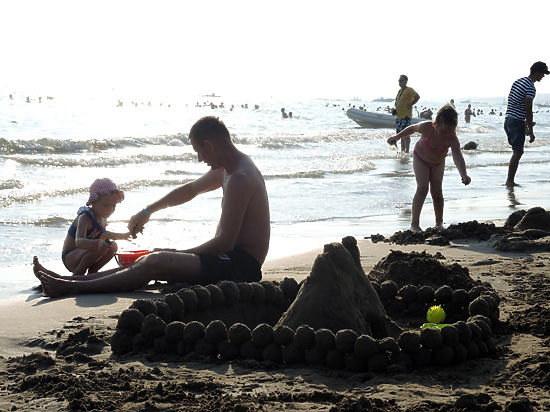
(517, 377)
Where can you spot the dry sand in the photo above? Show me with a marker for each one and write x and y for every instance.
(517, 378)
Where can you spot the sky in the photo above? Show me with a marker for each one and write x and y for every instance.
(297, 48)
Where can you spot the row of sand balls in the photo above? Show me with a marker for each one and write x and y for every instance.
(345, 349)
(478, 300)
(451, 344)
(174, 306)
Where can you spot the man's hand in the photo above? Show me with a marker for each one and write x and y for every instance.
(137, 222)
(466, 180)
(531, 136)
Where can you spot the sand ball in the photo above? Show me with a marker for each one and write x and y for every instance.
(443, 356)
(422, 357)
(493, 305)
(450, 335)
(460, 353)
(189, 299)
(239, 333)
(409, 294)
(245, 291)
(176, 306)
(426, 294)
(262, 335)
(164, 311)
(464, 332)
(203, 347)
(293, 354)
(388, 289)
(409, 341)
(471, 145)
(203, 296)
(152, 326)
(283, 335)
(215, 332)
(479, 306)
(366, 346)
(216, 294)
(397, 305)
(290, 288)
(485, 329)
(140, 343)
(356, 364)
(174, 331)
(121, 342)
(279, 300)
(473, 349)
(193, 332)
(444, 294)
(460, 298)
(475, 292)
(145, 306)
(250, 351)
(483, 349)
(258, 293)
(228, 351)
(416, 308)
(315, 356)
(475, 329)
(345, 340)
(431, 338)
(376, 287)
(335, 359)
(130, 320)
(481, 318)
(305, 337)
(324, 339)
(273, 353)
(387, 344)
(377, 363)
(491, 344)
(269, 289)
(160, 345)
(230, 291)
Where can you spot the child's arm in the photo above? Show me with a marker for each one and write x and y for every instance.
(83, 223)
(407, 131)
(116, 236)
(460, 164)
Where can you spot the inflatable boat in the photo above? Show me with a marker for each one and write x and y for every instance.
(376, 120)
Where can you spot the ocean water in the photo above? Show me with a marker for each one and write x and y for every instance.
(326, 177)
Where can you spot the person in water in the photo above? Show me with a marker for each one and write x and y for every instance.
(429, 160)
(88, 246)
(235, 252)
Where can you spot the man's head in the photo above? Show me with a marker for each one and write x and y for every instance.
(209, 136)
(403, 80)
(538, 71)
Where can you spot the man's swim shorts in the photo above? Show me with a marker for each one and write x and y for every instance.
(515, 130)
(236, 265)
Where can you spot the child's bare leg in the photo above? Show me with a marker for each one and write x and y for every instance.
(436, 190)
(422, 175)
(106, 258)
(79, 260)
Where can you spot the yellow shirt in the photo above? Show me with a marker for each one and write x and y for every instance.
(402, 100)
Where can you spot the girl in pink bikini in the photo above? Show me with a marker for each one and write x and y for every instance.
(429, 160)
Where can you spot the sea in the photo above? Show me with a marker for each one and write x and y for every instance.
(326, 177)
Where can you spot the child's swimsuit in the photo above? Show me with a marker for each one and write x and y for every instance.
(95, 232)
(426, 144)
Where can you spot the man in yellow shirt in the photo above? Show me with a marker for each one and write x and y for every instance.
(404, 101)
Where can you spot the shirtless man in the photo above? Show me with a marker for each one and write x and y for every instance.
(237, 250)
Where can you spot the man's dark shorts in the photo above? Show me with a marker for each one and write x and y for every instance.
(400, 124)
(515, 130)
(236, 265)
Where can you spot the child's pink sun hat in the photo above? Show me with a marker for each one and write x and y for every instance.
(103, 186)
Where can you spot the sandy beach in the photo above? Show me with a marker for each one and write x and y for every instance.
(514, 378)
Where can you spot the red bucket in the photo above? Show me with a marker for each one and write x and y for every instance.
(127, 258)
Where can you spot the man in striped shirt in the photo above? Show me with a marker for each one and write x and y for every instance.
(519, 115)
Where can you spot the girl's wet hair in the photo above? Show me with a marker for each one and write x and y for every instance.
(447, 115)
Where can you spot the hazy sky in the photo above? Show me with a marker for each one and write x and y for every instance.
(273, 48)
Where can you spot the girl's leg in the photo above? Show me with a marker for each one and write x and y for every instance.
(106, 258)
(422, 175)
(436, 190)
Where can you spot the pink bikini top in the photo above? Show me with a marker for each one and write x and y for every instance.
(426, 144)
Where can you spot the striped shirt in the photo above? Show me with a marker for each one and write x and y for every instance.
(522, 89)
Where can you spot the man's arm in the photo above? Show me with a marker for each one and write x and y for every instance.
(529, 118)
(211, 180)
(415, 99)
(238, 192)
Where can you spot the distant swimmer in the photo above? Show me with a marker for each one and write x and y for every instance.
(290, 115)
(284, 115)
(468, 113)
(404, 101)
(519, 115)
(452, 102)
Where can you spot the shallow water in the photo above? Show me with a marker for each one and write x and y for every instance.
(326, 177)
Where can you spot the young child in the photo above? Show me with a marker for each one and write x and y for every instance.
(429, 160)
(88, 245)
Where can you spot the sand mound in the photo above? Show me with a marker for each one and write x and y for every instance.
(421, 269)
